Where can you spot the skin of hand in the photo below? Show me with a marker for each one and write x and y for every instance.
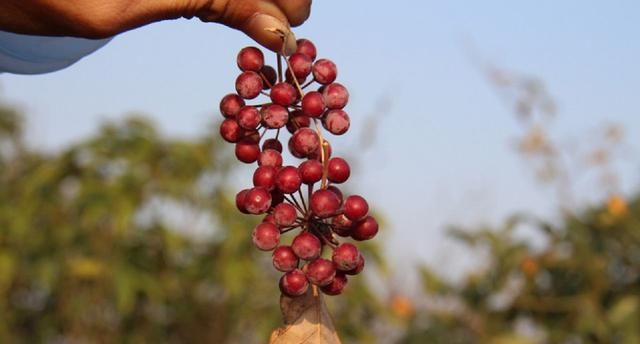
(106, 18)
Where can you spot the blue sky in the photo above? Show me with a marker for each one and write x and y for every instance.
(443, 151)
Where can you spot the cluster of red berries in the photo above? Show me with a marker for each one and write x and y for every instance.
(321, 213)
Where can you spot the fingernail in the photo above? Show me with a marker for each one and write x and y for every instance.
(271, 23)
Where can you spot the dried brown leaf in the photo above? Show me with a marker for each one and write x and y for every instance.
(307, 321)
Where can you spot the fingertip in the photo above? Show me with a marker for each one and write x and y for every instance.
(271, 32)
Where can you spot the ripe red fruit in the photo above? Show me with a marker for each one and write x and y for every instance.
(336, 122)
(338, 170)
(266, 236)
(306, 246)
(248, 117)
(335, 96)
(269, 219)
(288, 179)
(324, 71)
(358, 269)
(297, 121)
(272, 144)
(294, 283)
(292, 150)
(305, 141)
(284, 259)
(284, 214)
(240, 199)
(313, 104)
(365, 229)
(257, 200)
(324, 203)
(306, 47)
(231, 104)
(248, 85)
(265, 176)
(247, 152)
(251, 136)
(336, 191)
(300, 65)
(341, 225)
(310, 171)
(274, 116)
(270, 157)
(345, 256)
(355, 208)
(230, 130)
(320, 272)
(336, 287)
(283, 94)
(250, 59)
(269, 77)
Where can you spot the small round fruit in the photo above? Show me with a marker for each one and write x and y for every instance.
(300, 65)
(269, 77)
(306, 246)
(356, 207)
(248, 117)
(230, 130)
(247, 152)
(249, 84)
(250, 59)
(284, 259)
(324, 71)
(336, 191)
(324, 203)
(265, 176)
(365, 229)
(284, 214)
(270, 157)
(288, 179)
(310, 171)
(230, 105)
(305, 141)
(341, 225)
(266, 236)
(294, 283)
(240, 199)
(272, 144)
(335, 96)
(345, 256)
(338, 170)
(313, 104)
(336, 287)
(257, 200)
(320, 272)
(274, 116)
(358, 269)
(306, 47)
(283, 94)
(336, 122)
(297, 121)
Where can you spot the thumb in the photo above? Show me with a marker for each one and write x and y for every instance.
(271, 32)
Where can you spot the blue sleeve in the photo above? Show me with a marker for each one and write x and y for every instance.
(24, 54)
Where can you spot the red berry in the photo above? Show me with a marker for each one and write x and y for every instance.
(265, 176)
(269, 77)
(336, 122)
(324, 203)
(293, 151)
(240, 201)
(249, 85)
(297, 121)
(247, 152)
(270, 157)
(313, 104)
(257, 200)
(324, 71)
(336, 191)
(250, 59)
(284, 214)
(272, 144)
(284, 259)
(338, 170)
(305, 141)
(266, 236)
(341, 225)
(231, 104)
(365, 229)
(294, 283)
(274, 116)
(283, 94)
(306, 47)
(251, 136)
(300, 65)
(336, 287)
(320, 272)
(335, 96)
(345, 256)
(230, 130)
(310, 171)
(269, 219)
(355, 208)
(358, 269)
(248, 117)
(306, 246)
(288, 179)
